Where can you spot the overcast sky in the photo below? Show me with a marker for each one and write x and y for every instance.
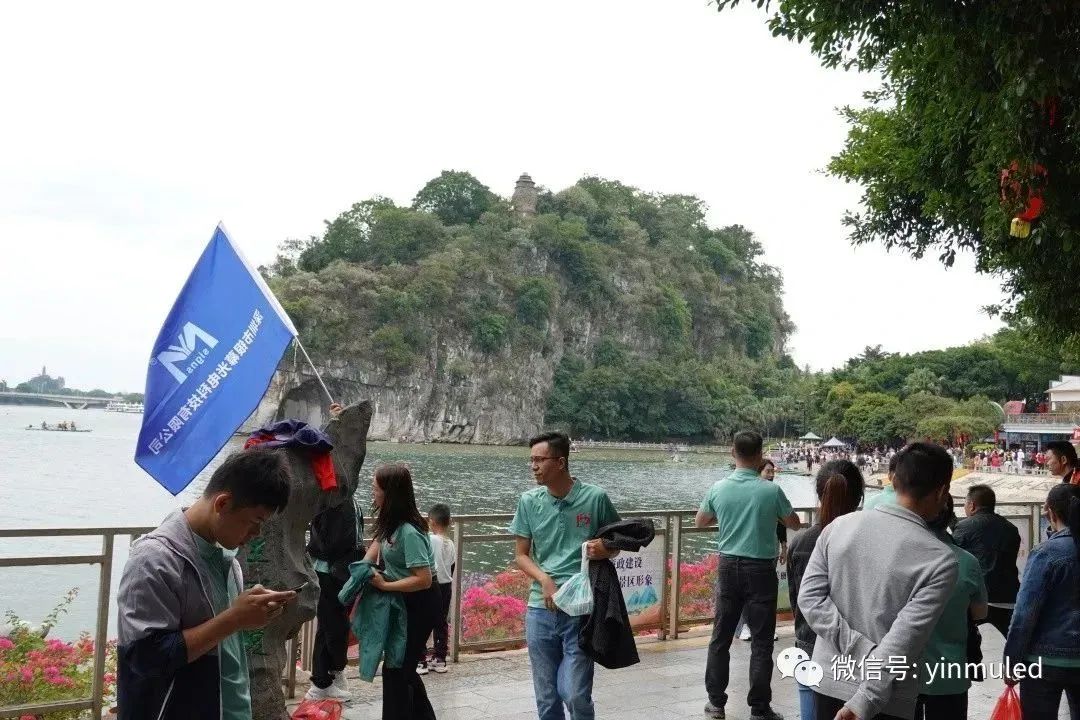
(129, 130)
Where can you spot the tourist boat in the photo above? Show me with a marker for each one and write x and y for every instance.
(53, 428)
(124, 407)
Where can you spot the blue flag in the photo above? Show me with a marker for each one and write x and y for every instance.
(211, 364)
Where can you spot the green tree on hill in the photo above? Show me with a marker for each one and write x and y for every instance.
(456, 198)
(921, 380)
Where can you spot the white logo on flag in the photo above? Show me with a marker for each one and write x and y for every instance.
(185, 349)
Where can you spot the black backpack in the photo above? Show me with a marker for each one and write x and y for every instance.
(337, 537)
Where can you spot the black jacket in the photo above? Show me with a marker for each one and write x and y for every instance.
(337, 538)
(995, 542)
(606, 636)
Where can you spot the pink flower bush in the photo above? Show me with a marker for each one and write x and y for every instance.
(697, 587)
(495, 609)
(34, 670)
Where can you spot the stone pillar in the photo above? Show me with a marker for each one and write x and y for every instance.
(278, 557)
(525, 196)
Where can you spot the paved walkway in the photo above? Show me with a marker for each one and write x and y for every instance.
(667, 684)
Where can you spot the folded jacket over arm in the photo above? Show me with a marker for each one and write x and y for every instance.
(606, 635)
(378, 620)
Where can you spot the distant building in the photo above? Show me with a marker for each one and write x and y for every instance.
(525, 196)
(1065, 394)
(1033, 430)
(44, 383)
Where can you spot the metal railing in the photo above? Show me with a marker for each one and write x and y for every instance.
(101, 626)
(1044, 418)
(673, 532)
(613, 445)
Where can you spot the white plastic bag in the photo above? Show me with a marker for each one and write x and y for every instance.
(575, 596)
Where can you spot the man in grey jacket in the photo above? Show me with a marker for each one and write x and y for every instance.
(874, 588)
(181, 600)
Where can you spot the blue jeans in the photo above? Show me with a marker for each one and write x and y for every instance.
(562, 673)
(806, 701)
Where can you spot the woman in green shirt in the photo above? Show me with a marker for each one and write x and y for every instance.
(401, 541)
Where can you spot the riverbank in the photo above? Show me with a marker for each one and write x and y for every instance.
(1008, 488)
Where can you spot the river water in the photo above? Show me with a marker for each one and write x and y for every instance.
(55, 479)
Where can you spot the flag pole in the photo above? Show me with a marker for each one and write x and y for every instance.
(314, 369)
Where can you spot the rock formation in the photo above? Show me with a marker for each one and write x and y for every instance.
(277, 558)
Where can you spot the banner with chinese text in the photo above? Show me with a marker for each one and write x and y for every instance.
(210, 365)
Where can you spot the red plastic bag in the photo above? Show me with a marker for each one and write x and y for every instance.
(318, 710)
(1008, 706)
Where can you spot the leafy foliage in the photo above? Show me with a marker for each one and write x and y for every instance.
(456, 198)
(946, 394)
(968, 89)
(34, 669)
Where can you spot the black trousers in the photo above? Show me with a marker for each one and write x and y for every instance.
(332, 633)
(404, 696)
(442, 623)
(750, 584)
(1039, 699)
(942, 707)
(825, 708)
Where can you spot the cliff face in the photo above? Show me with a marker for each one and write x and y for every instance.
(502, 399)
(469, 321)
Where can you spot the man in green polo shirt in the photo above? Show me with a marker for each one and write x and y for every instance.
(551, 524)
(944, 675)
(746, 509)
(888, 495)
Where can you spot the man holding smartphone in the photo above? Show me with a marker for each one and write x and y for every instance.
(181, 600)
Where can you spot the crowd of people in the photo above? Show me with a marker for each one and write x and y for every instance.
(864, 608)
(875, 460)
(859, 603)
(1049, 459)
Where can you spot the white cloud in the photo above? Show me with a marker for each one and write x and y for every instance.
(130, 129)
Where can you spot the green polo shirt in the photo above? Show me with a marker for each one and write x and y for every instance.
(232, 660)
(558, 527)
(747, 509)
(949, 637)
(406, 550)
(885, 497)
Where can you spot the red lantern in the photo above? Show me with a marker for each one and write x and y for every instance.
(1023, 186)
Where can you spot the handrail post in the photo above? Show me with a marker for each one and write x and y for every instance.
(676, 560)
(665, 591)
(455, 590)
(101, 631)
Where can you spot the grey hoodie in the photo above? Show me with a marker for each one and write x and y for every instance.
(165, 590)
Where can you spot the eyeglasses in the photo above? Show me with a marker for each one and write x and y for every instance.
(537, 459)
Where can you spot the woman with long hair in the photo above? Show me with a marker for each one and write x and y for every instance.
(401, 542)
(1045, 626)
(840, 489)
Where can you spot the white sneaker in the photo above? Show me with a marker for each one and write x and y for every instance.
(328, 693)
(339, 681)
(745, 634)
